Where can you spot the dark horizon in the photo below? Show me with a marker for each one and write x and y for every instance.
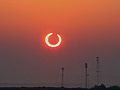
(101, 87)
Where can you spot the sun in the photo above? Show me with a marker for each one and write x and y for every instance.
(52, 45)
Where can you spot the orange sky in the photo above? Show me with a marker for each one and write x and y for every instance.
(59, 15)
(88, 27)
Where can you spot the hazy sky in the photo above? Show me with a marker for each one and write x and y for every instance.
(89, 29)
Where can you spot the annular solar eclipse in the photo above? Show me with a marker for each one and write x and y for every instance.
(53, 45)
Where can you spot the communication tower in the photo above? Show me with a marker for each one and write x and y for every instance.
(86, 66)
(98, 72)
(62, 84)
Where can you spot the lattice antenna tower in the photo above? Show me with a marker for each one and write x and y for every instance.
(98, 71)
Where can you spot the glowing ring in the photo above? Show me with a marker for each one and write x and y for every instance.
(53, 45)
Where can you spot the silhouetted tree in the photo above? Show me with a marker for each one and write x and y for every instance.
(102, 86)
(114, 87)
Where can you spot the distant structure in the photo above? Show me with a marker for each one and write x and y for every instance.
(86, 66)
(62, 84)
(88, 80)
(97, 71)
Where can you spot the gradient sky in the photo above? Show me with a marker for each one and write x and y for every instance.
(89, 29)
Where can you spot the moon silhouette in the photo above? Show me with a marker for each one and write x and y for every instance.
(53, 45)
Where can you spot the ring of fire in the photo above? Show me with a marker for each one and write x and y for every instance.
(53, 45)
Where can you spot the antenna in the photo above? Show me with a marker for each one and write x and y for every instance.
(62, 84)
(86, 66)
(98, 71)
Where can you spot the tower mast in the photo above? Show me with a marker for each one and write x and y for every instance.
(86, 66)
(62, 84)
(98, 71)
